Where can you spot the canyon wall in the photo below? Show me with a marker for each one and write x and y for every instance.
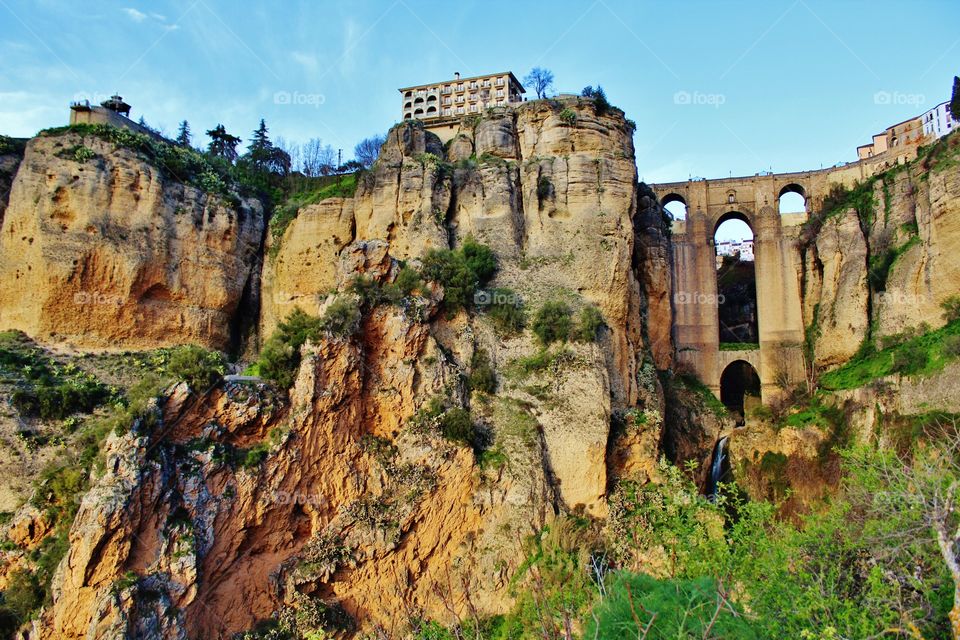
(342, 495)
(102, 250)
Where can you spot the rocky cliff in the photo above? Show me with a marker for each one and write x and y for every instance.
(343, 498)
(102, 249)
(882, 259)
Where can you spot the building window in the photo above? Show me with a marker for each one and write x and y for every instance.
(460, 87)
(499, 82)
(460, 110)
(499, 93)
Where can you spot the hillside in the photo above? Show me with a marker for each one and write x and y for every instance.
(451, 407)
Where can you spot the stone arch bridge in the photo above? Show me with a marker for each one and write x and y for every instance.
(754, 200)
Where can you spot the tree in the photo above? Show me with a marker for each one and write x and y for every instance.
(263, 156)
(183, 135)
(368, 149)
(318, 159)
(955, 99)
(222, 144)
(915, 501)
(539, 80)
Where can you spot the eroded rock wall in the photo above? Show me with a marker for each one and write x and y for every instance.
(108, 253)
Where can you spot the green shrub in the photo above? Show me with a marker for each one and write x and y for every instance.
(588, 324)
(552, 322)
(408, 281)
(196, 366)
(482, 377)
(43, 387)
(506, 312)
(670, 608)
(280, 356)
(457, 425)
(544, 188)
(342, 317)
(909, 359)
(21, 599)
(951, 346)
(568, 116)
(460, 272)
(951, 308)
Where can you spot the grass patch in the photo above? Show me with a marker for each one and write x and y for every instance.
(921, 355)
(305, 192)
(739, 346)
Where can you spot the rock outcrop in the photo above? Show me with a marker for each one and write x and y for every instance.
(106, 252)
(345, 493)
(886, 266)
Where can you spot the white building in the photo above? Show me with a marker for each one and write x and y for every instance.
(938, 122)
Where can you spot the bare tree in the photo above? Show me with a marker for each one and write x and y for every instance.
(539, 80)
(292, 149)
(318, 159)
(918, 501)
(368, 149)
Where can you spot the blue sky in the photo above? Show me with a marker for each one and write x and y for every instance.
(716, 88)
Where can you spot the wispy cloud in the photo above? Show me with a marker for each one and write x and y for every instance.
(306, 60)
(155, 18)
(133, 14)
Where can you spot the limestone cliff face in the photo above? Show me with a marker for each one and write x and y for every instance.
(108, 253)
(357, 502)
(349, 507)
(890, 263)
(556, 199)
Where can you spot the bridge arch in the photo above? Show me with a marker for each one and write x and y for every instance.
(792, 199)
(676, 205)
(739, 388)
(737, 318)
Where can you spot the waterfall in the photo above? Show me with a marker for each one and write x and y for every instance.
(717, 468)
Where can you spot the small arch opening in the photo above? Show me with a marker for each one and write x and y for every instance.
(740, 389)
(418, 101)
(736, 280)
(407, 105)
(792, 199)
(675, 205)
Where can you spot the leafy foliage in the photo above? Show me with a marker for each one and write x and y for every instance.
(196, 366)
(552, 322)
(43, 387)
(280, 355)
(461, 272)
(482, 377)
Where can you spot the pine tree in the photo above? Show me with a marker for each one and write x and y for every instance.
(955, 99)
(263, 156)
(222, 144)
(183, 136)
